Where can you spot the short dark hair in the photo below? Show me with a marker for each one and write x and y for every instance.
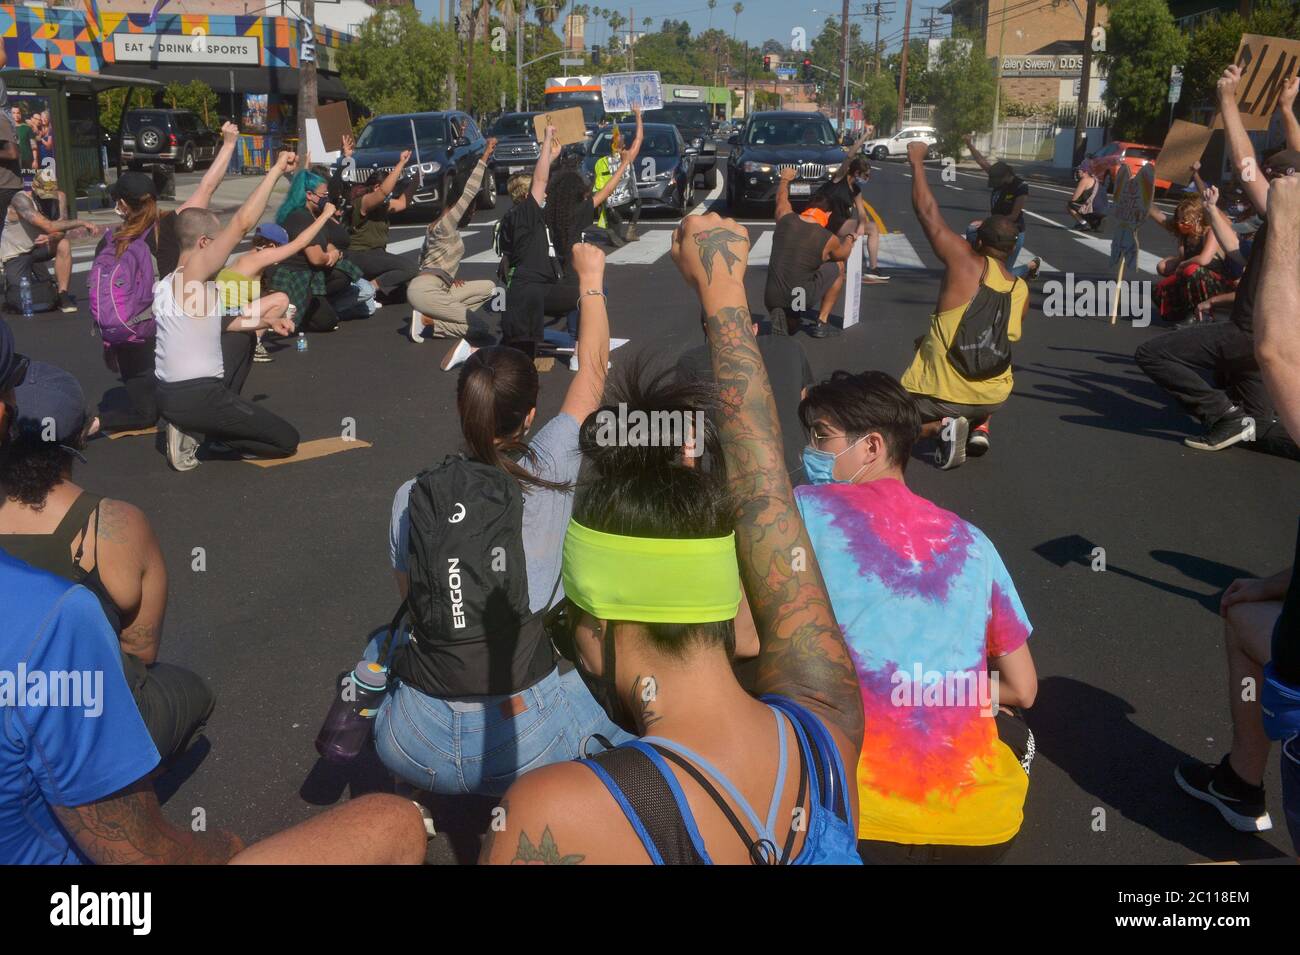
(858, 165)
(999, 233)
(865, 402)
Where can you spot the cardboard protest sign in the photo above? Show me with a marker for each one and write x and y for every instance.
(1131, 203)
(1183, 146)
(620, 92)
(335, 123)
(853, 285)
(570, 127)
(1266, 62)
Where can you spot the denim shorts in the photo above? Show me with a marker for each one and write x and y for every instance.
(482, 746)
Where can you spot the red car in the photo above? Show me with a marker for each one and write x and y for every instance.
(1105, 163)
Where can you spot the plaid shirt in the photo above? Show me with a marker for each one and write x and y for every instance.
(443, 246)
(302, 285)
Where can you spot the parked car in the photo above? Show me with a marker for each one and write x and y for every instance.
(517, 147)
(664, 171)
(896, 145)
(696, 126)
(770, 141)
(166, 136)
(445, 147)
(1105, 163)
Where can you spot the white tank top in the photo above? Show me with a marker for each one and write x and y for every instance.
(187, 347)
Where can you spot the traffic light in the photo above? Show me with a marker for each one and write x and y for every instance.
(807, 70)
(595, 56)
(767, 63)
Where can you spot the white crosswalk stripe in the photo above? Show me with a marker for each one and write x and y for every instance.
(761, 251)
(1043, 266)
(896, 252)
(645, 250)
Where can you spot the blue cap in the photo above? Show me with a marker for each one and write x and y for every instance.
(272, 232)
(50, 396)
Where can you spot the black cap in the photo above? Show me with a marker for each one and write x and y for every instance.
(133, 185)
(999, 173)
(50, 398)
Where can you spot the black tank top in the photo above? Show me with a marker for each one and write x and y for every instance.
(52, 552)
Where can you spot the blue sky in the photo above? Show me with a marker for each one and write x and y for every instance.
(761, 19)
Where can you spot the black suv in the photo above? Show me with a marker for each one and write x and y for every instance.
(517, 147)
(767, 143)
(445, 148)
(171, 136)
(696, 126)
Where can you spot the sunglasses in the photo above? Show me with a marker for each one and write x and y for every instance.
(16, 374)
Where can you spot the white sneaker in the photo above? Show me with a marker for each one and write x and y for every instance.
(417, 327)
(951, 452)
(182, 449)
(458, 355)
(874, 277)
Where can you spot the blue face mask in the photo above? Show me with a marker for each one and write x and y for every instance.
(819, 466)
(862, 184)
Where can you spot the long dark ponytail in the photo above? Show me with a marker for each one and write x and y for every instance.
(496, 390)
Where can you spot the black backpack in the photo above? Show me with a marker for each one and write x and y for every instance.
(473, 632)
(981, 346)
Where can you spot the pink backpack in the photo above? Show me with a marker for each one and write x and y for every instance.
(121, 292)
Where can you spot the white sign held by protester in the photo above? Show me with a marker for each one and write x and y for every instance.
(620, 92)
(316, 152)
(1133, 195)
(853, 284)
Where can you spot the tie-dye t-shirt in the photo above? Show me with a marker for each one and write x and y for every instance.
(924, 601)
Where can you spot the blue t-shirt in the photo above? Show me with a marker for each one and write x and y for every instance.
(70, 732)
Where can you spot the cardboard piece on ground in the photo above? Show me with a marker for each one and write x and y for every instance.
(619, 92)
(570, 127)
(1183, 146)
(1266, 62)
(316, 151)
(335, 123)
(308, 450)
(132, 434)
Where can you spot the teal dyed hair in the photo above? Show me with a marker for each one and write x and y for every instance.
(301, 184)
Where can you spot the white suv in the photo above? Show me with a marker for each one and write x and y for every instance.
(896, 145)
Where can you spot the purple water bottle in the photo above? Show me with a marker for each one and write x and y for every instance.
(349, 721)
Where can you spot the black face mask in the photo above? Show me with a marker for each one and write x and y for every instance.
(560, 625)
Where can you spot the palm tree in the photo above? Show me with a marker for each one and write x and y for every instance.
(712, 4)
(737, 9)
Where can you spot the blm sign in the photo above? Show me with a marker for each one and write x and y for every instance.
(1266, 62)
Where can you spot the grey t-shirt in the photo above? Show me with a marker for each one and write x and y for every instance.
(10, 175)
(546, 512)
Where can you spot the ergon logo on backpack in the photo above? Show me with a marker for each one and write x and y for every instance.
(454, 592)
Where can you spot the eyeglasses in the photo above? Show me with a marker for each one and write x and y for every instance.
(16, 374)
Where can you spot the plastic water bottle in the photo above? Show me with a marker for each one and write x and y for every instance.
(25, 296)
(349, 721)
(302, 341)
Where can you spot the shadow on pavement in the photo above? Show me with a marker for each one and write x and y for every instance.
(1089, 734)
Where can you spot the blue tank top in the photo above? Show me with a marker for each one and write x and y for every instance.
(831, 839)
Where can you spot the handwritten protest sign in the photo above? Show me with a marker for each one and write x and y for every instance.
(1266, 62)
(620, 92)
(570, 127)
(1132, 202)
(1183, 146)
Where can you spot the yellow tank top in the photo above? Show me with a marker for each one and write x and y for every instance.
(932, 374)
(237, 290)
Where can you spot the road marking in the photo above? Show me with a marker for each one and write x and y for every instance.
(761, 252)
(405, 245)
(1147, 261)
(645, 250)
(950, 186)
(1043, 265)
(896, 252)
(708, 202)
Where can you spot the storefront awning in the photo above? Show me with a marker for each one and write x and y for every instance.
(73, 82)
(236, 79)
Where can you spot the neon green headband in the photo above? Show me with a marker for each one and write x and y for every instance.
(651, 579)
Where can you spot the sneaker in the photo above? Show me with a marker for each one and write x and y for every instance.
(951, 452)
(630, 234)
(1241, 805)
(615, 240)
(1031, 272)
(457, 355)
(65, 302)
(260, 354)
(1082, 226)
(873, 277)
(182, 449)
(1224, 433)
(977, 445)
(416, 331)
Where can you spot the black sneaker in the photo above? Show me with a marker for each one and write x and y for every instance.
(1241, 805)
(819, 330)
(65, 302)
(977, 445)
(1231, 429)
(953, 435)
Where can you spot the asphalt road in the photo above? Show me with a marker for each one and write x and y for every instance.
(1086, 454)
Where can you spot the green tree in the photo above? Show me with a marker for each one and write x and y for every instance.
(1142, 44)
(880, 100)
(196, 96)
(111, 102)
(397, 63)
(1214, 43)
(962, 85)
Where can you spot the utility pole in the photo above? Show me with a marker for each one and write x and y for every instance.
(631, 25)
(1081, 107)
(997, 90)
(519, 57)
(744, 99)
(306, 77)
(876, 48)
(453, 19)
(844, 64)
(902, 66)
